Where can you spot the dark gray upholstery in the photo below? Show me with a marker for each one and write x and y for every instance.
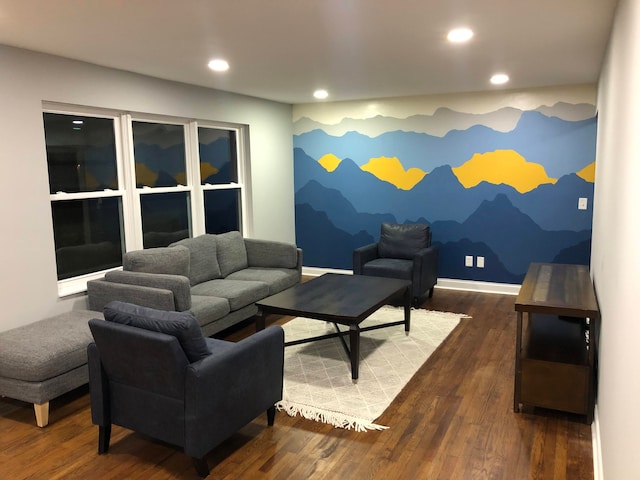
(216, 277)
(404, 251)
(142, 380)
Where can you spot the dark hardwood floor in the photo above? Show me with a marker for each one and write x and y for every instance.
(454, 420)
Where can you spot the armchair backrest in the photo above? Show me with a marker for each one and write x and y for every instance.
(403, 240)
(137, 380)
(141, 359)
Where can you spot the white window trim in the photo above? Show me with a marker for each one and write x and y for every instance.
(130, 194)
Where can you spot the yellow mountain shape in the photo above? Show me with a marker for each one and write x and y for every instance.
(502, 167)
(206, 170)
(144, 175)
(588, 173)
(389, 169)
(329, 161)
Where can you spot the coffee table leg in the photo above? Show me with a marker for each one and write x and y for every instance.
(354, 349)
(407, 310)
(261, 317)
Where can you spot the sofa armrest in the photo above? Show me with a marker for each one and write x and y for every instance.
(272, 254)
(101, 292)
(177, 284)
(362, 255)
(230, 388)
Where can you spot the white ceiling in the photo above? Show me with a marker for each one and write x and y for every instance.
(356, 49)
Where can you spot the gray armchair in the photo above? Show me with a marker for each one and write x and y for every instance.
(153, 372)
(404, 251)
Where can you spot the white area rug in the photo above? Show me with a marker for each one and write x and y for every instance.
(317, 375)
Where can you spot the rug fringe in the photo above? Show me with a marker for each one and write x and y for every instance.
(337, 419)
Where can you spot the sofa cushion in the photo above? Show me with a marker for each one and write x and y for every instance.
(203, 259)
(232, 253)
(278, 279)
(208, 309)
(402, 241)
(389, 267)
(174, 261)
(239, 293)
(182, 325)
(46, 348)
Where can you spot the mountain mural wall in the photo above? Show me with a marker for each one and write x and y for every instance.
(503, 185)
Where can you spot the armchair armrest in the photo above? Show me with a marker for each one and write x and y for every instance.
(272, 254)
(363, 255)
(229, 388)
(425, 271)
(178, 285)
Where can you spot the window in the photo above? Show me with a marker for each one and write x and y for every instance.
(219, 174)
(120, 182)
(86, 205)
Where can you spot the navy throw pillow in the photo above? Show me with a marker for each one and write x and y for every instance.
(182, 325)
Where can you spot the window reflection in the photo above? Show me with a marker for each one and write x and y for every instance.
(165, 218)
(88, 235)
(222, 210)
(159, 154)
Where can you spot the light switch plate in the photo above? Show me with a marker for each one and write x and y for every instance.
(582, 203)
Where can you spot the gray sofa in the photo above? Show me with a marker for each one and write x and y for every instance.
(217, 277)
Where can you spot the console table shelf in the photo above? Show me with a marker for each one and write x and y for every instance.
(556, 343)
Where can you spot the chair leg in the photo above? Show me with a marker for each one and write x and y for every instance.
(201, 466)
(104, 436)
(271, 415)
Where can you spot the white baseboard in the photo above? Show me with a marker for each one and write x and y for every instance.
(598, 473)
(444, 283)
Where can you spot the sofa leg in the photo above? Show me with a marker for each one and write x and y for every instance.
(271, 415)
(104, 437)
(42, 413)
(431, 292)
(201, 466)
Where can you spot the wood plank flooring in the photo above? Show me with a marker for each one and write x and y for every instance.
(454, 420)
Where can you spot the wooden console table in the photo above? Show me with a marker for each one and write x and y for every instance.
(556, 340)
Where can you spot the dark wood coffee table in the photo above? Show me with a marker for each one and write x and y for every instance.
(340, 299)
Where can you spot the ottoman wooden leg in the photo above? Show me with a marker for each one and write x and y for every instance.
(42, 413)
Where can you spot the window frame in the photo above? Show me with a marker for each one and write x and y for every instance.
(130, 194)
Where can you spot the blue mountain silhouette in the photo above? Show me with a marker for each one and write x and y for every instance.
(451, 263)
(339, 211)
(515, 237)
(561, 146)
(555, 207)
(323, 244)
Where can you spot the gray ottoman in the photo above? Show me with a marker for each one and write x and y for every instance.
(45, 359)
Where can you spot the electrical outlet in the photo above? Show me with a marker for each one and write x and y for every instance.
(582, 203)
(480, 262)
(468, 261)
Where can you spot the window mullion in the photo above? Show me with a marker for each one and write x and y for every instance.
(131, 197)
(194, 179)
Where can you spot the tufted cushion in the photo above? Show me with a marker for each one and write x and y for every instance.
(402, 241)
(232, 253)
(203, 260)
(174, 261)
(182, 325)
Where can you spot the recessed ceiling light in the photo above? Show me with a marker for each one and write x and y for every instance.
(321, 94)
(459, 35)
(219, 65)
(499, 78)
